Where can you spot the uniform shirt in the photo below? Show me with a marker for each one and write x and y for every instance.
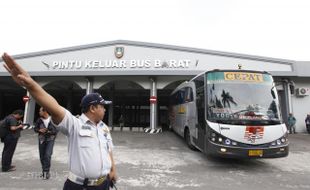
(88, 146)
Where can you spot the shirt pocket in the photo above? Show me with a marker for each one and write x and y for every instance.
(86, 138)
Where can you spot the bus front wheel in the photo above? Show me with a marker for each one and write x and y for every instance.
(188, 139)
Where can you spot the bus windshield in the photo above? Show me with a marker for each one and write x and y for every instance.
(242, 98)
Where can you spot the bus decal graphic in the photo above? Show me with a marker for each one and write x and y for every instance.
(252, 133)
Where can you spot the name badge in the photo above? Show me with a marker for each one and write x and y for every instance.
(86, 127)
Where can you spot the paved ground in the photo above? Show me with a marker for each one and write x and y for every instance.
(162, 161)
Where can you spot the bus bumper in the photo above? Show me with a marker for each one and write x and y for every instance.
(241, 152)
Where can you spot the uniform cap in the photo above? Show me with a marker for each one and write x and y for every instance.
(93, 99)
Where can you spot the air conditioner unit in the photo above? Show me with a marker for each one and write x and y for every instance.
(302, 91)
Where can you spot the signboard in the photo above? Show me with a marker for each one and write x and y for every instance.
(244, 76)
(153, 99)
(117, 64)
(26, 99)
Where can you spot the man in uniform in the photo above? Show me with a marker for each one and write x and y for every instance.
(91, 162)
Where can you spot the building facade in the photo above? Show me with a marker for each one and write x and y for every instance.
(131, 73)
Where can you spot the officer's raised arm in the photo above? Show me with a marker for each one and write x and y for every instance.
(22, 78)
(86, 134)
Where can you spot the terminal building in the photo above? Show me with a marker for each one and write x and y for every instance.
(139, 77)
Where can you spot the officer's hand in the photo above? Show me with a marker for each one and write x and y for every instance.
(113, 176)
(19, 75)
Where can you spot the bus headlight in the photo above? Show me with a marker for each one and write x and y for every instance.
(220, 139)
(227, 141)
(280, 141)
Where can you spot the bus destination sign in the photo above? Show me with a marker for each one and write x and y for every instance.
(243, 76)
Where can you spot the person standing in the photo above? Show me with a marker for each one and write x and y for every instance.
(91, 163)
(14, 126)
(47, 133)
(291, 121)
(307, 121)
(121, 122)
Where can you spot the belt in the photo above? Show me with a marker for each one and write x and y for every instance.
(85, 181)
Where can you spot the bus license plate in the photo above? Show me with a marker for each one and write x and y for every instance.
(255, 152)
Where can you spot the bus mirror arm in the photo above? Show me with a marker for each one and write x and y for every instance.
(272, 93)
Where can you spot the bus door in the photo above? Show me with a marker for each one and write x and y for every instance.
(181, 111)
(200, 104)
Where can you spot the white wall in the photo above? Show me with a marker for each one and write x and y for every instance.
(301, 105)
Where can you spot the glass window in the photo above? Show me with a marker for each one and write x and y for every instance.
(242, 99)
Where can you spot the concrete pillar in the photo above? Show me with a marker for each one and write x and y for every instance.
(1, 105)
(287, 93)
(110, 119)
(89, 85)
(29, 110)
(289, 98)
(153, 106)
(286, 104)
(69, 100)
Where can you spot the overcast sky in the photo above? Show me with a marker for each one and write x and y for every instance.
(271, 28)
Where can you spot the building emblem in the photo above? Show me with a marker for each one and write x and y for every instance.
(119, 52)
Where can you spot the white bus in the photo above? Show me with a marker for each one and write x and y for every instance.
(230, 113)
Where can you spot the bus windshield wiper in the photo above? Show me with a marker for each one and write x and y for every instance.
(247, 122)
(273, 122)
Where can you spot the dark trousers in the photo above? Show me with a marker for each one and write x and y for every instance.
(8, 151)
(292, 129)
(69, 185)
(46, 151)
(308, 128)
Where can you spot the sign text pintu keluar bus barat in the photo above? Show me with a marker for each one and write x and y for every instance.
(119, 64)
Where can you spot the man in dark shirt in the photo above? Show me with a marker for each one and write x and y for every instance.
(46, 134)
(14, 126)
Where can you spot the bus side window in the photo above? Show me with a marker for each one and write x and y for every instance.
(181, 96)
(188, 94)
